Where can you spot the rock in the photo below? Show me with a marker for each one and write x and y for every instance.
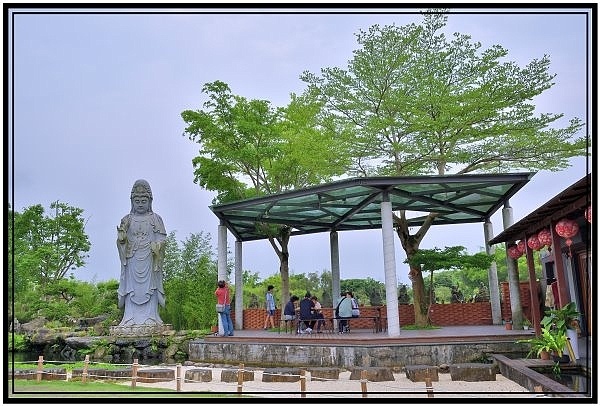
(231, 375)
(153, 375)
(323, 373)
(198, 375)
(473, 372)
(281, 375)
(420, 373)
(374, 374)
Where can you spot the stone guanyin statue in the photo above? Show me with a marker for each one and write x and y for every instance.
(141, 239)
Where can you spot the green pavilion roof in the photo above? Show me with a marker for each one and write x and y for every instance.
(355, 203)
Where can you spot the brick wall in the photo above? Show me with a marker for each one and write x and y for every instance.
(505, 300)
(451, 314)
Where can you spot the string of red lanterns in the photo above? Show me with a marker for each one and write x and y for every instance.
(545, 238)
(513, 251)
(568, 229)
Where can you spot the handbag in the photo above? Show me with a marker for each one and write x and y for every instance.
(220, 307)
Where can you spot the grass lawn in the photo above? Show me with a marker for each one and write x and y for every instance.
(24, 388)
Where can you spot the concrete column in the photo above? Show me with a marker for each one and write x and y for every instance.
(389, 265)
(493, 286)
(334, 250)
(222, 253)
(239, 288)
(221, 263)
(513, 272)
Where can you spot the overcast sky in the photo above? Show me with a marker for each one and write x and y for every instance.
(97, 100)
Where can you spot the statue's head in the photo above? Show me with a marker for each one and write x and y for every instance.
(141, 188)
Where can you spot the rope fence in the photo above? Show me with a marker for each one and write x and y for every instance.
(238, 381)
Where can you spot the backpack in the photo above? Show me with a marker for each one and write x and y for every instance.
(337, 308)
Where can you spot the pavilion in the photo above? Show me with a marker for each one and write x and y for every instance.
(368, 203)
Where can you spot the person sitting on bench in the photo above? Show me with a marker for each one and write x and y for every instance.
(343, 311)
(306, 314)
(318, 313)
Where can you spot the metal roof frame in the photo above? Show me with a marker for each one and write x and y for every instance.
(355, 203)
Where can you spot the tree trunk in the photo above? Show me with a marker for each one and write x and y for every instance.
(283, 254)
(410, 243)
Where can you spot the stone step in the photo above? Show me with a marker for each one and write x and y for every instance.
(198, 375)
(281, 375)
(419, 373)
(374, 374)
(473, 372)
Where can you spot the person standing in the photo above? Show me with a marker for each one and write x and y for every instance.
(271, 307)
(141, 239)
(224, 297)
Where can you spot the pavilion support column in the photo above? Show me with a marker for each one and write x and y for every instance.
(493, 286)
(239, 288)
(389, 265)
(221, 263)
(559, 263)
(513, 273)
(335, 267)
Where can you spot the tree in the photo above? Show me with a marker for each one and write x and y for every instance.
(190, 275)
(47, 247)
(249, 149)
(418, 103)
(449, 259)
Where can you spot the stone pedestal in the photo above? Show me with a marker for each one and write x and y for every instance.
(140, 330)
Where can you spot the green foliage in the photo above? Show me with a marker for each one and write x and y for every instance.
(563, 318)
(417, 103)
(18, 342)
(190, 275)
(47, 247)
(449, 258)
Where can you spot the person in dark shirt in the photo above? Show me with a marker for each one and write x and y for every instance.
(289, 312)
(307, 307)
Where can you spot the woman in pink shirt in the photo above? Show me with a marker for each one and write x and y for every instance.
(224, 297)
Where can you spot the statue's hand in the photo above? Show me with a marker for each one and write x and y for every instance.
(121, 235)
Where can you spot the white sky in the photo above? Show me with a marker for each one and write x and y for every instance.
(97, 102)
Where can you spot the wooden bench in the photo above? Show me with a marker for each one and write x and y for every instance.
(376, 320)
(327, 325)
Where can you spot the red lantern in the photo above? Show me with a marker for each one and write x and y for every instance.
(567, 229)
(588, 214)
(545, 237)
(534, 243)
(513, 251)
(521, 247)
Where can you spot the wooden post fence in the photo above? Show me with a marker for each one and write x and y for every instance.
(40, 368)
(178, 377)
(134, 370)
(363, 383)
(429, 386)
(240, 377)
(84, 374)
(302, 383)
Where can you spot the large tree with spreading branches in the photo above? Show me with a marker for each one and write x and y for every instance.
(420, 103)
(249, 148)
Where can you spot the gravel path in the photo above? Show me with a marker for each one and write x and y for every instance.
(344, 387)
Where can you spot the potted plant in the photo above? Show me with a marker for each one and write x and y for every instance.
(565, 320)
(526, 324)
(550, 343)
